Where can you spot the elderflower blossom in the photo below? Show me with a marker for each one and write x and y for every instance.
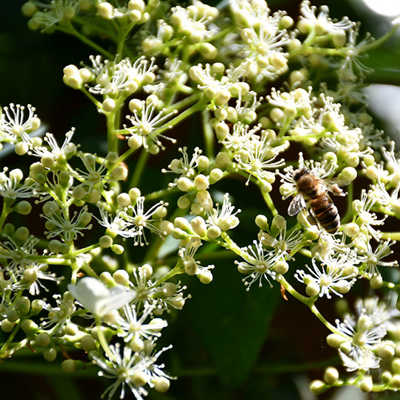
(149, 123)
(139, 219)
(131, 369)
(135, 331)
(322, 21)
(11, 186)
(14, 122)
(365, 217)
(327, 280)
(54, 151)
(123, 77)
(258, 265)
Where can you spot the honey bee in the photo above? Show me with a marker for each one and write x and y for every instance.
(315, 192)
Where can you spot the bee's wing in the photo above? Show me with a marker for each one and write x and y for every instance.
(296, 205)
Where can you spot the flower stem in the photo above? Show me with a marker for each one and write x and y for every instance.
(208, 134)
(391, 235)
(139, 168)
(103, 341)
(177, 270)
(71, 30)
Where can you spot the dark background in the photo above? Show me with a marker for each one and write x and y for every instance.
(228, 344)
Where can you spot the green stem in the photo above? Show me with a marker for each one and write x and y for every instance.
(177, 270)
(208, 134)
(269, 202)
(91, 97)
(112, 139)
(4, 212)
(161, 193)
(3, 352)
(121, 41)
(376, 43)
(391, 235)
(103, 341)
(349, 210)
(182, 103)
(71, 30)
(309, 302)
(139, 168)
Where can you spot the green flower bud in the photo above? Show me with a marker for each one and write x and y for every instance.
(50, 354)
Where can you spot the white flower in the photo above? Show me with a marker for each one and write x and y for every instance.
(36, 274)
(194, 20)
(224, 217)
(14, 122)
(359, 360)
(257, 157)
(322, 20)
(373, 258)
(139, 219)
(95, 170)
(149, 123)
(366, 218)
(135, 329)
(330, 279)
(183, 166)
(240, 136)
(381, 312)
(17, 257)
(322, 170)
(54, 151)
(11, 186)
(258, 265)
(116, 225)
(125, 76)
(97, 298)
(131, 369)
(69, 227)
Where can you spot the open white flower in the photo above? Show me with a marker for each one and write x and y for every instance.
(98, 298)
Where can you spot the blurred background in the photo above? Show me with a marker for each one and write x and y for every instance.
(228, 344)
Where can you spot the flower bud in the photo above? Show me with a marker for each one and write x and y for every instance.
(108, 105)
(160, 383)
(366, 383)
(317, 386)
(105, 10)
(199, 226)
(215, 175)
(201, 182)
(213, 232)
(184, 184)
(335, 340)
(331, 375)
(205, 276)
(121, 277)
(50, 354)
(183, 223)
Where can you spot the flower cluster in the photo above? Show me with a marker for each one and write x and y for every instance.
(250, 80)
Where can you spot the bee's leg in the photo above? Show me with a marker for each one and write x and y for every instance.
(313, 220)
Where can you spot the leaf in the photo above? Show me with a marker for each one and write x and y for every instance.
(232, 323)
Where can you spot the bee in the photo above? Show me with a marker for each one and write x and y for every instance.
(315, 191)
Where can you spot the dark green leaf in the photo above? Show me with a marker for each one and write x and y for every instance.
(232, 323)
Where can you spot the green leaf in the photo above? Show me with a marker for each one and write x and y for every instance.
(385, 65)
(232, 323)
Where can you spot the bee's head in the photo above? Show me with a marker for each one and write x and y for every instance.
(299, 173)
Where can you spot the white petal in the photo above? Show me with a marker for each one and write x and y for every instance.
(118, 296)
